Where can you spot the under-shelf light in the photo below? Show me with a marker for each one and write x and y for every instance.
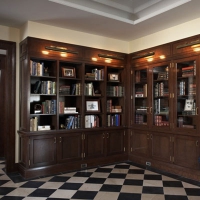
(94, 59)
(162, 57)
(45, 52)
(63, 54)
(108, 60)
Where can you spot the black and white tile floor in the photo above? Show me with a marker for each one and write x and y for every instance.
(123, 181)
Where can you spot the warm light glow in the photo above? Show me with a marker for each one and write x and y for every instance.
(108, 60)
(63, 54)
(45, 52)
(150, 59)
(94, 59)
(197, 49)
(162, 57)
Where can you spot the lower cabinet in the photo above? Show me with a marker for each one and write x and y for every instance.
(186, 151)
(69, 147)
(50, 152)
(100, 144)
(139, 143)
(176, 149)
(42, 150)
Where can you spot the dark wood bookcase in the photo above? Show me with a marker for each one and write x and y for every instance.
(65, 122)
(165, 102)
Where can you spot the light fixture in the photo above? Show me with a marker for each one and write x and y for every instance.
(60, 49)
(94, 59)
(111, 56)
(143, 55)
(162, 57)
(45, 52)
(150, 59)
(196, 49)
(108, 60)
(63, 54)
(188, 44)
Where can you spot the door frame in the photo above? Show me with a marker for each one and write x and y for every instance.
(10, 108)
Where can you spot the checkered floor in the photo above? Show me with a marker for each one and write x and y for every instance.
(123, 181)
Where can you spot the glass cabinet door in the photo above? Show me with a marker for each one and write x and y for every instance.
(140, 97)
(186, 110)
(161, 97)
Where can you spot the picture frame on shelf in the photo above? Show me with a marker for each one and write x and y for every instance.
(68, 72)
(113, 76)
(92, 106)
(188, 104)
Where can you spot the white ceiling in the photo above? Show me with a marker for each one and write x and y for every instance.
(120, 19)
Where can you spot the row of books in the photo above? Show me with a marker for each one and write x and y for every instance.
(161, 107)
(44, 87)
(160, 90)
(111, 108)
(117, 91)
(189, 71)
(158, 121)
(91, 121)
(141, 91)
(140, 119)
(36, 68)
(73, 122)
(140, 76)
(114, 120)
(66, 110)
(49, 107)
(96, 74)
(74, 89)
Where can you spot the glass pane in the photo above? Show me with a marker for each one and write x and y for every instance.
(186, 94)
(141, 97)
(160, 96)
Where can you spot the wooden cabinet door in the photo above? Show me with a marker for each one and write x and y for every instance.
(139, 143)
(94, 145)
(162, 148)
(186, 151)
(115, 142)
(42, 150)
(69, 147)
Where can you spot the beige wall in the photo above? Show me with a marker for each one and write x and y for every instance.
(13, 34)
(168, 35)
(74, 37)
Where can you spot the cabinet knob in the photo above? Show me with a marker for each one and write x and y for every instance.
(103, 135)
(60, 139)
(54, 140)
(107, 135)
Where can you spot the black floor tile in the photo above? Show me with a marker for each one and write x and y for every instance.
(83, 174)
(71, 186)
(172, 184)
(129, 196)
(175, 197)
(59, 179)
(136, 171)
(117, 175)
(42, 193)
(133, 182)
(152, 177)
(122, 166)
(193, 192)
(6, 190)
(2, 182)
(96, 180)
(11, 198)
(32, 184)
(152, 190)
(111, 188)
(84, 195)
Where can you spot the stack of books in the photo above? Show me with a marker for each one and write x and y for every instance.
(68, 110)
(64, 89)
(188, 71)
